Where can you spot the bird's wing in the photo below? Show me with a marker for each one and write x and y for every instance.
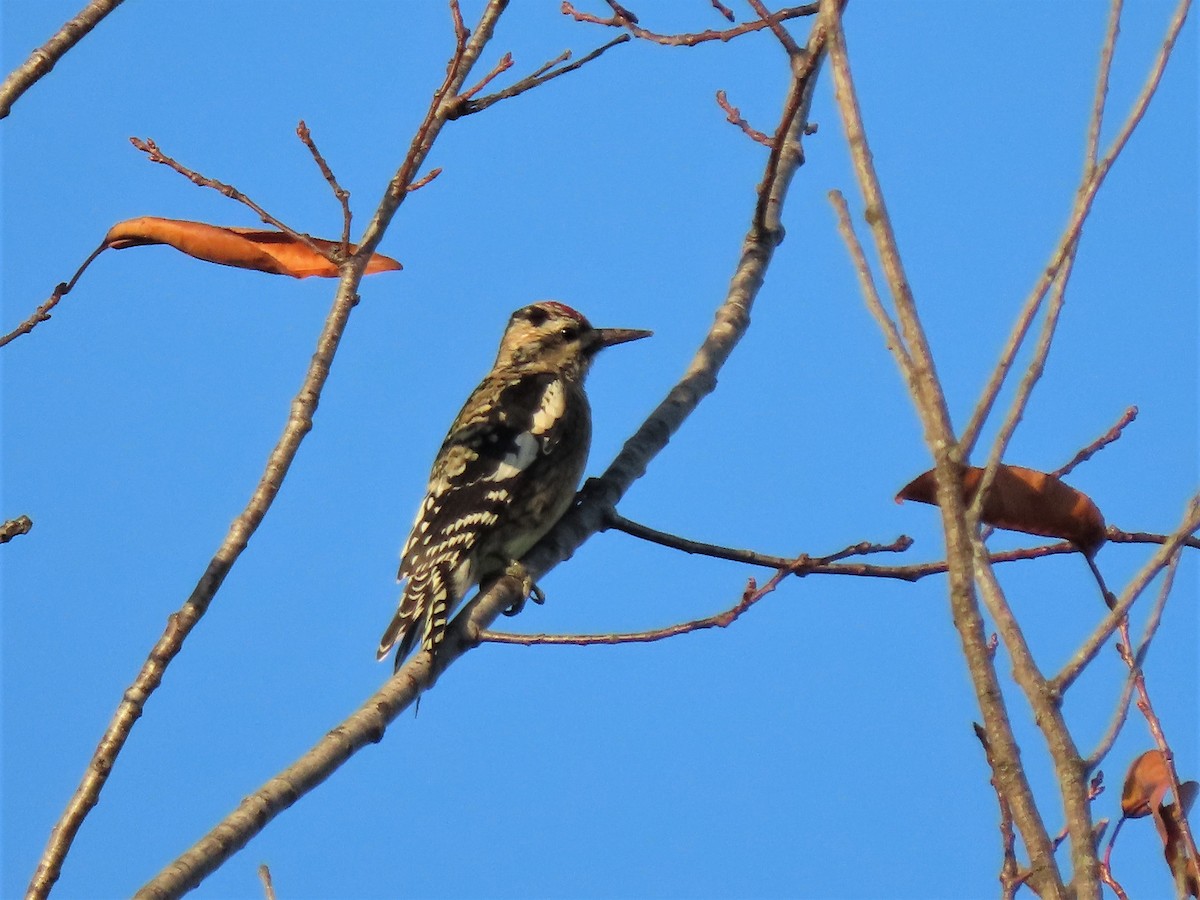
(498, 437)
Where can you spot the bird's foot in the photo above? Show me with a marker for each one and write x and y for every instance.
(529, 590)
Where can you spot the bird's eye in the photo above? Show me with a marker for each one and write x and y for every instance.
(569, 332)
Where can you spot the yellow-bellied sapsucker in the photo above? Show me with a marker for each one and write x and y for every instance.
(507, 470)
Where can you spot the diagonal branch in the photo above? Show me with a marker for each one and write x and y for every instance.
(466, 105)
(42, 60)
(340, 193)
(1097, 445)
(1090, 647)
(1093, 178)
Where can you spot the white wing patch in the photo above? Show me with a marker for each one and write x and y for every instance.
(527, 444)
(525, 452)
(552, 407)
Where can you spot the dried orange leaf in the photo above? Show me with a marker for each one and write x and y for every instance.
(245, 248)
(1146, 783)
(1024, 500)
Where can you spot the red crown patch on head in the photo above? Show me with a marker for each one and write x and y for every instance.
(563, 309)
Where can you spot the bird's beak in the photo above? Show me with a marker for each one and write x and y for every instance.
(607, 337)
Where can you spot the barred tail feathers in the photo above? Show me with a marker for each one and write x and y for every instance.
(430, 595)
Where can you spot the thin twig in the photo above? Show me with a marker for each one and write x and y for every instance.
(799, 566)
(1098, 638)
(264, 875)
(155, 155)
(424, 180)
(14, 528)
(42, 60)
(465, 106)
(866, 282)
(690, 40)
(734, 116)
(550, 64)
(340, 193)
(723, 10)
(789, 43)
(505, 63)
(1010, 872)
(1097, 445)
(1106, 863)
(750, 596)
(1113, 731)
(1107, 49)
(1029, 380)
(42, 313)
(618, 522)
(1092, 181)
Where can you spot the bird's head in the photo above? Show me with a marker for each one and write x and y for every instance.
(551, 337)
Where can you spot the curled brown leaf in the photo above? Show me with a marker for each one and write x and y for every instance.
(245, 248)
(1025, 500)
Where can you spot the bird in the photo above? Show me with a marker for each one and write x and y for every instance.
(506, 472)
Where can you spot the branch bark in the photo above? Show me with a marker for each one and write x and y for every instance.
(43, 59)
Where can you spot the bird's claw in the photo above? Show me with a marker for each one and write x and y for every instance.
(529, 590)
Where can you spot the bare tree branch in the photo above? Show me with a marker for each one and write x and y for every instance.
(622, 18)
(466, 106)
(1090, 647)
(43, 59)
(1097, 445)
(14, 528)
(1093, 178)
(340, 193)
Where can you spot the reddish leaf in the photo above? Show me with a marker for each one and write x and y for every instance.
(1025, 500)
(245, 248)
(1146, 783)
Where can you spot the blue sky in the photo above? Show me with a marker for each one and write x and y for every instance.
(822, 746)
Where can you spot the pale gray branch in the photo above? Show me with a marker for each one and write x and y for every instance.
(42, 59)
